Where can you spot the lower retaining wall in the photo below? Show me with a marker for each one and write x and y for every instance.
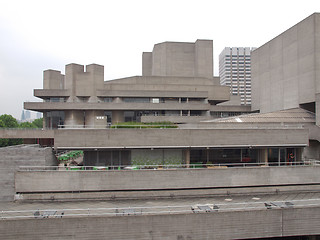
(22, 155)
(216, 225)
(133, 180)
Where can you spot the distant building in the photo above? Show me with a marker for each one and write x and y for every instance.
(23, 117)
(177, 85)
(27, 115)
(39, 115)
(235, 71)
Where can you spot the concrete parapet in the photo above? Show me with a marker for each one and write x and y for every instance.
(23, 155)
(215, 225)
(138, 180)
(175, 138)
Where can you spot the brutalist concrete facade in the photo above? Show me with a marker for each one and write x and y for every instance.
(177, 82)
(286, 70)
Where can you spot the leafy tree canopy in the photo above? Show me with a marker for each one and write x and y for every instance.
(8, 121)
(26, 125)
(38, 123)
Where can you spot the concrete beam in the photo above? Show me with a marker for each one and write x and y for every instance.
(97, 181)
(60, 106)
(26, 133)
(179, 138)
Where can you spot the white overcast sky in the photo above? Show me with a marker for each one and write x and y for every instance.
(36, 35)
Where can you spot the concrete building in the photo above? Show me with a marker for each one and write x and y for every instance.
(235, 71)
(276, 196)
(286, 70)
(177, 85)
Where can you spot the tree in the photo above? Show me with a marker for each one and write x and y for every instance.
(38, 123)
(7, 121)
(26, 125)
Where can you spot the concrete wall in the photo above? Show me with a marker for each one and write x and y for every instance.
(174, 80)
(74, 118)
(284, 70)
(313, 151)
(164, 138)
(175, 119)
(13, 157)
(217, 225)
(42, 106)
(83, 83)
(146, 63)
(180, 59)
(51, 93)
(53, 79)
(26, 133)
(96, 181)
(204, 58)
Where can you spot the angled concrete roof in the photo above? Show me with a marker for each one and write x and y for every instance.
(295, 115)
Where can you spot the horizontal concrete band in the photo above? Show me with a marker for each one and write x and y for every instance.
(130, 138)
(26, 133)
(40, 106)
(167, 194)
(85, 181)
(215, 225)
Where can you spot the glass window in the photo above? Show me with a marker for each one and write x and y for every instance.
(136, 100)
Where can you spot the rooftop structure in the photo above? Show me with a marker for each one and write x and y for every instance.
(183, 89)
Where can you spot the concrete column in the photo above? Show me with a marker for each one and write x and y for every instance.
(93, 121)
(117, 100)
(71, 72)
(53, 79)
(147, 64)
(187, 157)
(74, 119)
(204, 58)
(117, 116)
(298, 154)
(263, 156)
(318, 109)
(44, 121)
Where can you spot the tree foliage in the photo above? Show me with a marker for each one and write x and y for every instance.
(38, 123)
(7, 121)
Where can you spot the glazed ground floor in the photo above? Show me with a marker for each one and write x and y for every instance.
(117, 157)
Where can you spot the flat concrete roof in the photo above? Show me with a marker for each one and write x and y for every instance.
(294, 115)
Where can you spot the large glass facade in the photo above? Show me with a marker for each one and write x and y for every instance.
(275, 156)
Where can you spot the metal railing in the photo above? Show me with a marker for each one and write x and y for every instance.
(115, 126)
(153, 210)
(195, 166)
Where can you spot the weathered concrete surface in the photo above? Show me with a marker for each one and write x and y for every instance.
(26, 133)
(285, 70)
(175, 119)
(216, 225)
(13, 157)
(84, 181)
(127, 138)
(165, 194)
